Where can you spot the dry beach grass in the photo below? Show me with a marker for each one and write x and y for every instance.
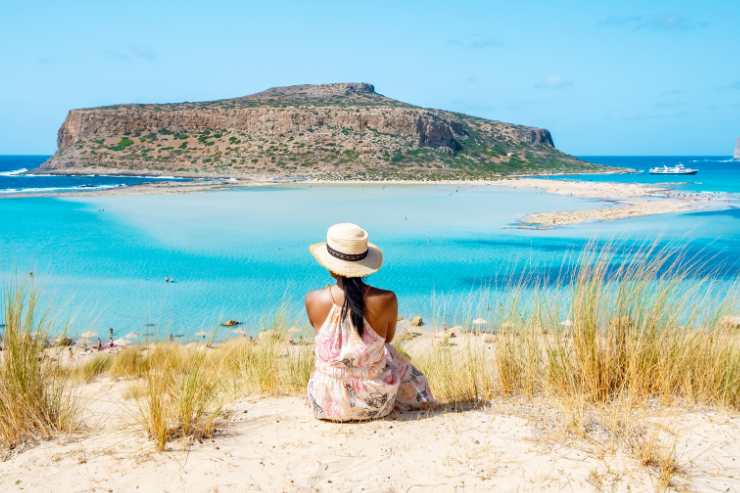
(35, 399)
(646, 352)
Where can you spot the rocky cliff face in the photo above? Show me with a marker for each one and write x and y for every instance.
(333, 131)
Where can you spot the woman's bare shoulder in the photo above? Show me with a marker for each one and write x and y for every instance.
(317, 295)
(381, 296)
(318, 303)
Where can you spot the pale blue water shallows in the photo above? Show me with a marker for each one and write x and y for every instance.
(101, 262)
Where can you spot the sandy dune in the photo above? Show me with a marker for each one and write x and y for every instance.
(274, 444)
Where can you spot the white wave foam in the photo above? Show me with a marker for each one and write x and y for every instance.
(14, 172)
(148, 177)
(60, 189)
(711, 160)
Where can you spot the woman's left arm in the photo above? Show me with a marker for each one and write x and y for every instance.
(392, 311)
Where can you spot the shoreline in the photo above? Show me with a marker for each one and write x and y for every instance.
(624, 200)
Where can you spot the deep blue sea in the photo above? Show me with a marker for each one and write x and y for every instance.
(716, 173)
(13, 178)
(100, 261)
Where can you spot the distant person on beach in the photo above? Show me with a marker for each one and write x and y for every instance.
(358, 375)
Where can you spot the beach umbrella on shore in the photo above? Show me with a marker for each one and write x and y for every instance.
(132, 335)
(201, 333)
(240, 332)
(480, 321)
(88, 334)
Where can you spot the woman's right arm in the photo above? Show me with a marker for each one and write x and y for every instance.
(311, 303)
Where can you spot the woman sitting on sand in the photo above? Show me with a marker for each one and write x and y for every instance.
(358, 375)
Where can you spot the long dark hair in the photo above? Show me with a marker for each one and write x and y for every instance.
(354, 301)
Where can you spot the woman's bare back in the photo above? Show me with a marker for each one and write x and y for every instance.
(381, 308)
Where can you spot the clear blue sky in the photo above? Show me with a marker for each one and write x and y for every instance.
(652, 77)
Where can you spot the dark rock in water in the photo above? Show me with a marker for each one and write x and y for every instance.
(64, 341)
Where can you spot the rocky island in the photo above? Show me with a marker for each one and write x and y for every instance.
(328, 131)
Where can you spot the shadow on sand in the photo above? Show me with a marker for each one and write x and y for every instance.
(452, 408)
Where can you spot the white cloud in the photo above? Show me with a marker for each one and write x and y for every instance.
(553, 81)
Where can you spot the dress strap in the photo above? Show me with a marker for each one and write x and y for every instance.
(333, 302)
(328, 316)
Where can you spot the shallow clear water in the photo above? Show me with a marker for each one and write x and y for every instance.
(101, 261)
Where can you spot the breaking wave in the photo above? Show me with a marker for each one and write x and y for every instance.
(14, 172)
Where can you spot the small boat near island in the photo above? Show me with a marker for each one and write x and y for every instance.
(679, 169)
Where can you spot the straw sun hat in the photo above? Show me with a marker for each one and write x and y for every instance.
(347, 252)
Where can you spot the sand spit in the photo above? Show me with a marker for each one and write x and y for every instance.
(627, 200)
(274, 444)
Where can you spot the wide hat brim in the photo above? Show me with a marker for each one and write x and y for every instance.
(360, 268)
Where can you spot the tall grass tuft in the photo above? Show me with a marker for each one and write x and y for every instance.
(35, 400)
(250, 367)
(95, 366)
(181, 400)
(129, 363)
(458, 377)
(644, 325)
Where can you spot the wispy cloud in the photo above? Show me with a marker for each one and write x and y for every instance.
(475, 43)
(553, 81)
(131, 53)
(667, 22)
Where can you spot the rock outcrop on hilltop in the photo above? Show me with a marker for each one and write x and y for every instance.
(344, 130)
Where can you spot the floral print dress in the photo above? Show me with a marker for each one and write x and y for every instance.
(361, 378)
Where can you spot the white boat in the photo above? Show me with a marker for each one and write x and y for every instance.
(679, 169)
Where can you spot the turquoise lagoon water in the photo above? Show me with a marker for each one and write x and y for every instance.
(100, 262)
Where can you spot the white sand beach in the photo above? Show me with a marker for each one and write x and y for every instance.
(274, 444)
